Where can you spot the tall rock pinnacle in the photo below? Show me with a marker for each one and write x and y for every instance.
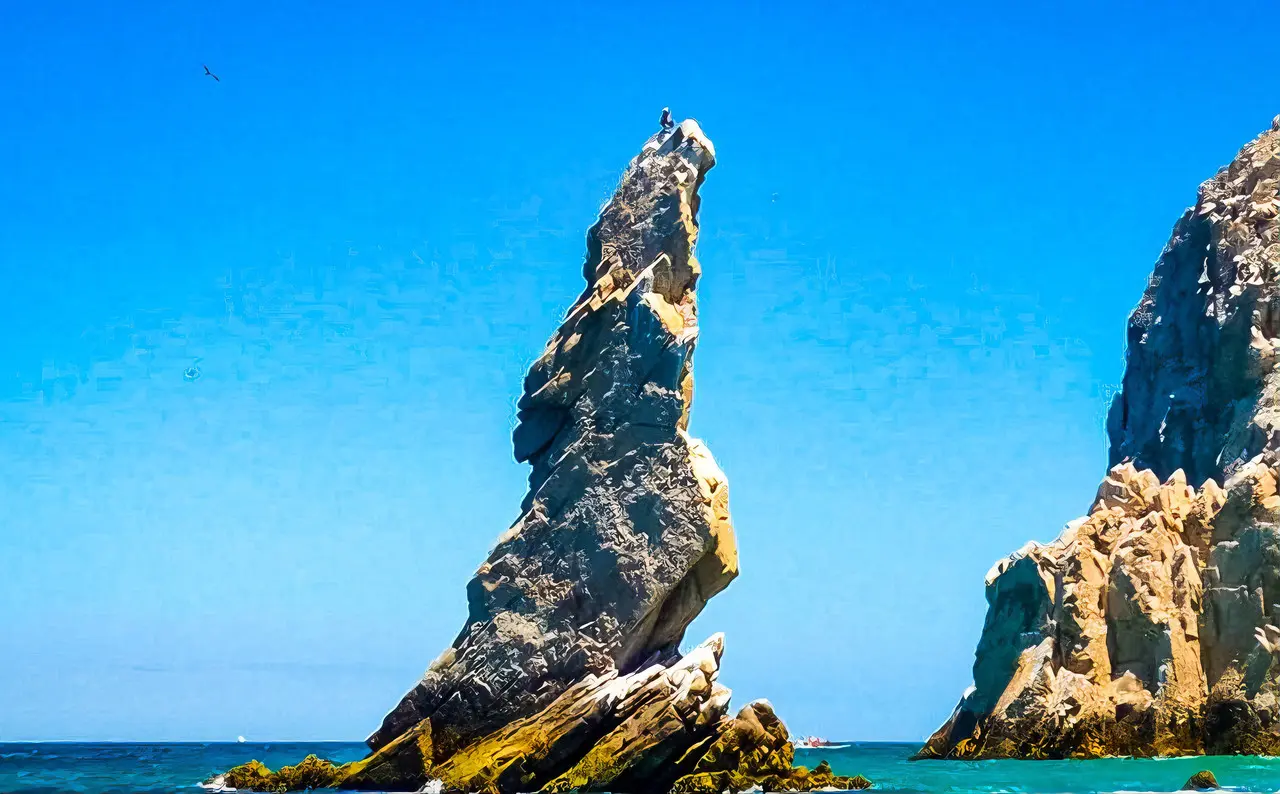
(1152, 625)
(625, 530)
(568, 675)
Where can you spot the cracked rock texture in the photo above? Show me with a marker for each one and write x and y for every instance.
(567, 675)
(625, 530)
(1152, 625)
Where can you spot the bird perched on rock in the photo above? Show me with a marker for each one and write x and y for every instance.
(1275, 123)
(666, 121)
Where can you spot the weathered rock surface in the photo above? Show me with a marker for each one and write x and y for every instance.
(567, 675)
(1200, 386)
(661, 728)
(625, 532)
(1201, 781)
(1150, 626)
(606, 732)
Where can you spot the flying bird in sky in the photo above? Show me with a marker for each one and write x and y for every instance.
(211, 74)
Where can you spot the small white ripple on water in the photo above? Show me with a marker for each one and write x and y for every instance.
(1234, 789)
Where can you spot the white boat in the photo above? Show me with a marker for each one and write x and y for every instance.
(814, 743)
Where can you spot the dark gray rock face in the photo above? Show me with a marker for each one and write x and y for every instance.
(1199, 391)
(625, 530)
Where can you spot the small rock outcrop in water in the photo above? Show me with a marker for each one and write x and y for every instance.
(567, 675)
(1152, 625)
(1201, 781)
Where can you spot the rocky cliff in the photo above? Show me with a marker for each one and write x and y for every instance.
(567, 674)
(1151, 626)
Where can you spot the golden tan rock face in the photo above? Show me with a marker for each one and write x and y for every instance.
(1142, 630)
(1150, 626)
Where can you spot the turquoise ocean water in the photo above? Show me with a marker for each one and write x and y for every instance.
(153, 768)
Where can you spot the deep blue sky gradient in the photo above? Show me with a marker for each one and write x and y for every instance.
(927, 226)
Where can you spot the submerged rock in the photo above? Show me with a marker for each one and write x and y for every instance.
(567, 675)
(1152, 625)
(1201, 781)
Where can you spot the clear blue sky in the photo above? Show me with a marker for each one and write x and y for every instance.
(369, 227)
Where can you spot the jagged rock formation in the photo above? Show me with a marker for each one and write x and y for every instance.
(567, 674)
(625, 531)
(1152, 625)
(663, 728)
(753, 749)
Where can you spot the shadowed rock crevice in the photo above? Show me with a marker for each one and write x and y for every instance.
(1152, 625)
